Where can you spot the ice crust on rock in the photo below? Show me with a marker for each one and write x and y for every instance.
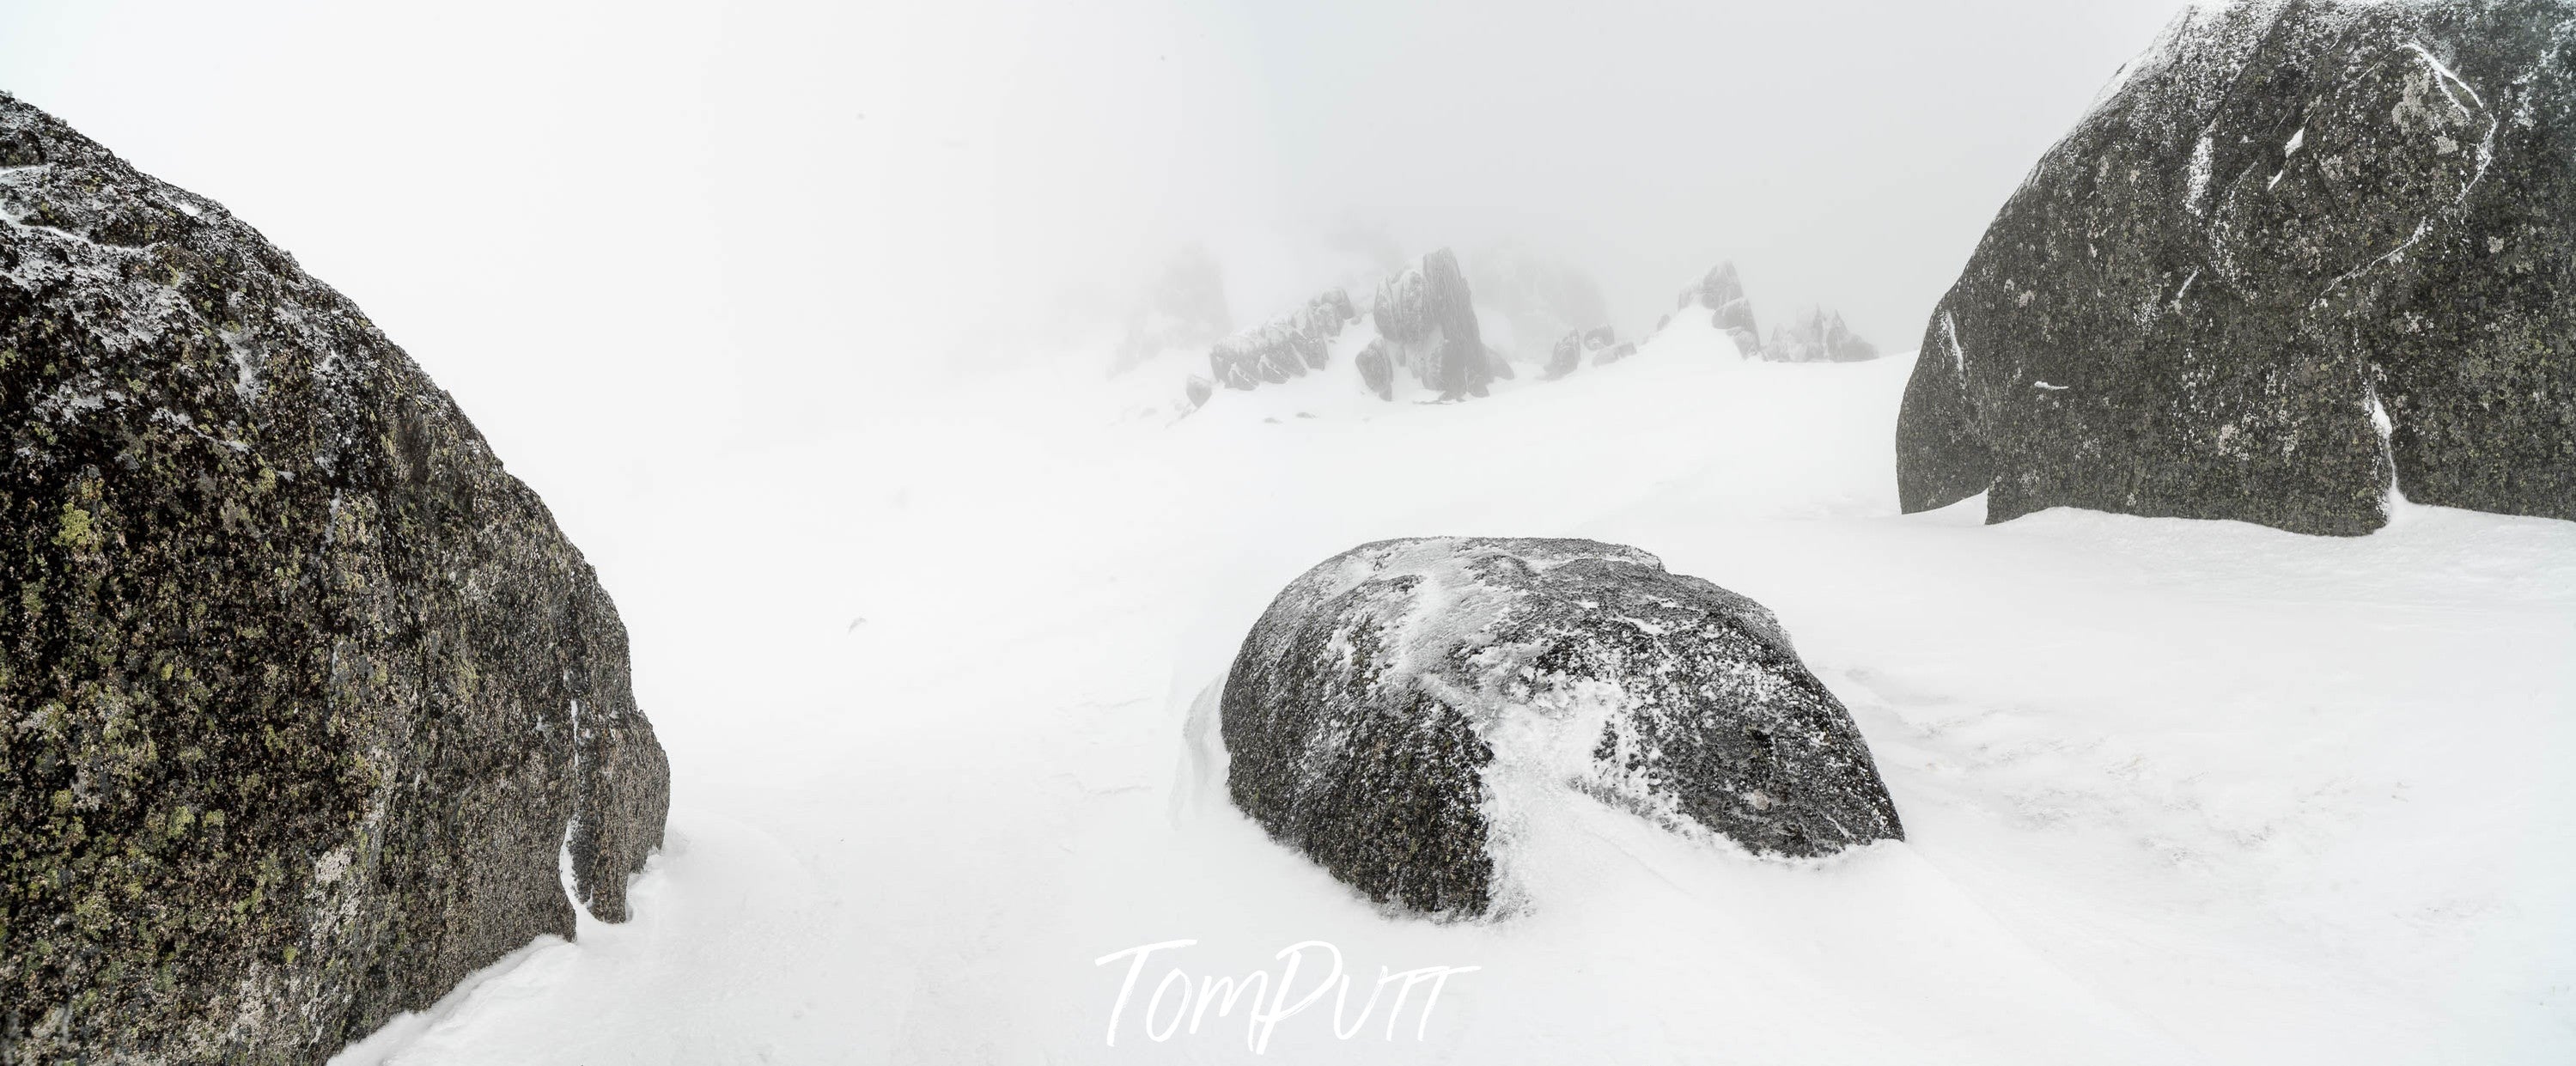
(1400, 710)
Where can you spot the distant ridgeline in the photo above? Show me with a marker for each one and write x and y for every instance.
(1819, 336)
(1420, 335)
(2299, 254)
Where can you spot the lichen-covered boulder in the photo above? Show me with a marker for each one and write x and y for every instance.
(303, 699)
(1819, 336)
(1397, 704)
(2296, 248)
(1428, 316)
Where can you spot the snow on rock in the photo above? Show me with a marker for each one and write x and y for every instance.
(1285, 347)
(1401, 711)
(1422, 320)
(1565, 358)
(1601, 343)
(2278, 210)
(311, 710)
(1426, 326)
(1721, 294)
(2339, 836)
(1377, 370)
(1429, 315)
(1819, 336)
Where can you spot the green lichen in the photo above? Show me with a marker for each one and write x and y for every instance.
(326, 566)
(76, 532)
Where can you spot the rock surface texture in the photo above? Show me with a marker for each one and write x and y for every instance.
(303, 699)
(2296, 248)
(1399, 708)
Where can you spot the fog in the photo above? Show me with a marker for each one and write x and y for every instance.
(615, 228)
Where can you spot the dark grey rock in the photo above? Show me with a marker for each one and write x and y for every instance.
(1377, 370)
(1285, 347)
(1498, 367)
(1599, 337)
(305, 694)
(1196, 392)
(1614, 353)
(1566, 359)
(1231, 374)
(1430, 317)
(1391, 697)
(1819, 336)
(1721, 292)
(2281, 221)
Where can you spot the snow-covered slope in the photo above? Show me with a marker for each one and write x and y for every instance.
(2174, 791)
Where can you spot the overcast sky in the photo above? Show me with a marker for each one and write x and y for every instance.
(579, 214)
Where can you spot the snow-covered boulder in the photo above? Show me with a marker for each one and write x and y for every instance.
(1399, 709)
(2294, 249)
(1600, 344)
(1429, 317)
(309, 707)
(1819, 336)
(1377, 369)
(1285, 347)
(1721, 294)
(1605, 347)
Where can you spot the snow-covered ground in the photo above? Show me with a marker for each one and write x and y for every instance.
(2175, 791)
